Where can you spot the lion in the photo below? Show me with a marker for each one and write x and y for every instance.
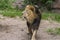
(32, 15)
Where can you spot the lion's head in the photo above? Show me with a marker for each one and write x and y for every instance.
(29, 13)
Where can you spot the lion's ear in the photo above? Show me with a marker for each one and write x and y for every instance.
(30, 7)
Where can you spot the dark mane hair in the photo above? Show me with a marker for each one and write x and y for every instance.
(37, 10)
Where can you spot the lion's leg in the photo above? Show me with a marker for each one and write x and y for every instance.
(29, 29)
(30, 32)
(34, 35)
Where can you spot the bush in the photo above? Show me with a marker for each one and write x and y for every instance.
(4, 4)
(40, 3)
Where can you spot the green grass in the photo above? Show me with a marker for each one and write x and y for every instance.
(53, 16)
(55, 31)
(11, 13)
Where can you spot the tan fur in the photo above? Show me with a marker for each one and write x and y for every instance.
(34, 35)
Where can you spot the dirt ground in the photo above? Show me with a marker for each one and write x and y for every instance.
(16, 29)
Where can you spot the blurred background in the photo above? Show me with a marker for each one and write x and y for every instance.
(12, 27)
